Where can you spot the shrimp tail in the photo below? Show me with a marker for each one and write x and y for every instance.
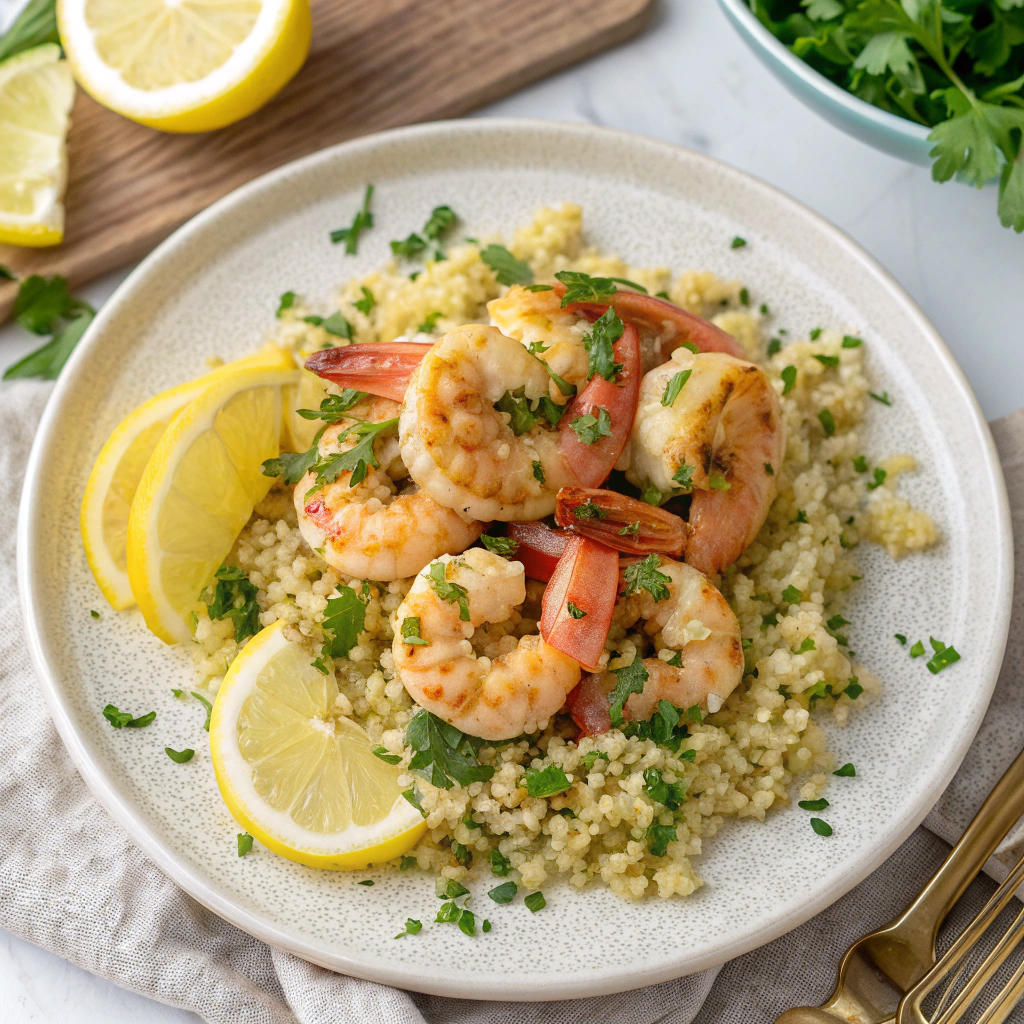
(383, 368)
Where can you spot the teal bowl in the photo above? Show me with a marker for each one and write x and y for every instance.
(887, 132)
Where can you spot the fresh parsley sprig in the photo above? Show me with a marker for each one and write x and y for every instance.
(444, 755)
(360, 222)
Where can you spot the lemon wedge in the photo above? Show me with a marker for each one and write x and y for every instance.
(118, 469)
(184, 65)
(36, 94)
(310, 391)
(296, 774)
(198, 490)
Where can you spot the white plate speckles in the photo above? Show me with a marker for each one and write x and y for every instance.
(213, 288)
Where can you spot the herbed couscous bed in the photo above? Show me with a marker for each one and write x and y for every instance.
(637, 810)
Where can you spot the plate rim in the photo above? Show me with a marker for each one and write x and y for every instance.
(102, 785)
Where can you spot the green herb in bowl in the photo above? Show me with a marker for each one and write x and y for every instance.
(956, 66)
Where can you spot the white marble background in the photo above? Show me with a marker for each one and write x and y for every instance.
(688, 79)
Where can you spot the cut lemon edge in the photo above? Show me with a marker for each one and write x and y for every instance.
(105, 49)
(118, 468)
(355, 847)
(199, 489)
(36, 95)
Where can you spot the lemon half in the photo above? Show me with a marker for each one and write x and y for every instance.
(199, 488)
(295, 773)
(36, 94)
(184, 65)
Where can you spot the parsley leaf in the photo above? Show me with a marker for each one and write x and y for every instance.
(516, 405)
(646, 575)
(737, 243)
(883, 397)
(504, 893)
(343, 621)
(360, 222)
(411, 632)
(847, 771)
(684, 477)
(589, 510)
(500, 864)
(244, 841)
(123, 719)
(234, 597)
(291, 466)
(590, 429)
(499, 545)
(545, 782)
(507, 269)
(356, 459)
(823, 828)
(788, 378)
(606, 331)
(333, 407)
(207, 705)
(666, 726)
(443, 755)
(580, 287)
(453, 593)
(661, 792)
(366, 303)
(180, 756)
(440, 220)
(535, 901)
(412, 927)
(575, 611)
(674, 386)
(658, 838)
(630, 680)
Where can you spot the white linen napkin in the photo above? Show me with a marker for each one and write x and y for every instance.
(73, 882)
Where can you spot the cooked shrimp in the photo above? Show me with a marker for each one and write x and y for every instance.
(693, 625)
(537, 319)
(494, 699)
(721, 437)
(370, 530)
(463, 451)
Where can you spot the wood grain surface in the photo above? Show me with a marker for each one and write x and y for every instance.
(374, 64)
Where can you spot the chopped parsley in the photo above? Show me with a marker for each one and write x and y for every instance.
(535, 901)
(658, 838)
(901, 639)
(429, 322)
(286, 302)
(737, 242)
(828, 423)
(95, 614)
(589, 510)
(500, 864)
(788, 378)
(440, 220)
(507, 269)
(671, 794)
(545, 782)
(412, 927)
(406, 863)
(449, 889)
(807, 644)
(774, 346)
(744, 297)
(367, 302)
(486, 925)
(589, 759)
(521, 417)
(462, 854)
(630, 680)
(499, 545)
(590, 429)
(682, 476)
(413, 796)
(385, 755)
(207, 705)
(853, 688)
(599, 345)
(917, 650)
(822, 828)
(443, 753)
(357, 459)
(360, 222)
(365, 881)
(666, 727)
(575, 611)
(580, 287)
(791, 595)
(860, 464)
(630, 530)
(538, 287)
(244, 841)
(883, 397)
(180, 756)
(764, 309)
(343, 621)
(847, 771)
(719, 483)
(234, 597)
(453, 593)
(942, 658)
(690, 347)
(801, 516)
(880, 476)
(333, 407)
(410, 247)
(828, 360)
(815, 334)
(291, 466)
(504, 893)
(837, 622)
(651, 495)
(647, 576)
(538, 472)
(849, 341)
(122, 719)
(813, 805)
(674, 386)
(337, 325)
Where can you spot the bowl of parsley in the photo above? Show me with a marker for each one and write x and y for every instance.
(935, 82)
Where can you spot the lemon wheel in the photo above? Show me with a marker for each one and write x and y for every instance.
(36, 94)
(118, 468)
(184, 65)
(298, 776)
(198, 490)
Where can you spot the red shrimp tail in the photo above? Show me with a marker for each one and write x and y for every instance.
(381, 368)
(623, 523)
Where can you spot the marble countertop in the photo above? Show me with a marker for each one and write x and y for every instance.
(688, 79)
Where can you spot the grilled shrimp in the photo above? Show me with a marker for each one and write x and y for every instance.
(369, 530)
(722, 438)
(538, 317)
(700, 655)
(494, 699)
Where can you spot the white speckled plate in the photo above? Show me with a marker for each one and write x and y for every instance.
(213, 288)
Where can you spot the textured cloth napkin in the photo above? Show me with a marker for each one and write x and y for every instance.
(73, 882)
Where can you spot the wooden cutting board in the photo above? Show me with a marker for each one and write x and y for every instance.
(374, 64)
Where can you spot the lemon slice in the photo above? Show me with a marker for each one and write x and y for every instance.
(296, 774)
(36, 94)
(198, 491)
(118, 468)
(184, 65)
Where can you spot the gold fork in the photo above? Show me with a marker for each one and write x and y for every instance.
(883, 966)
